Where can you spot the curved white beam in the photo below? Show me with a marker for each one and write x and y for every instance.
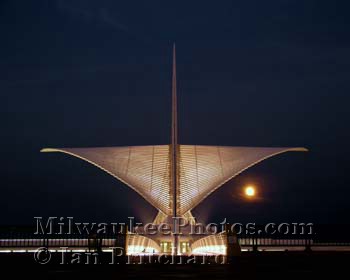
(204, 169)
(146, 169)
(143, 168)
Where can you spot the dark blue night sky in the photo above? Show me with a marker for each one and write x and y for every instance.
(250, 73)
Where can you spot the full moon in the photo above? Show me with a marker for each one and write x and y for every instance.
(249, 191)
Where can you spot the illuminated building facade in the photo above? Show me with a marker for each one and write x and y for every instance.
(174, 178)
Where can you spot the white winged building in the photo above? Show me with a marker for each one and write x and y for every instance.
(173, 178)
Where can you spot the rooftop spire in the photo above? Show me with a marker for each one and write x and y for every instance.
(174, 101)
(174, 150)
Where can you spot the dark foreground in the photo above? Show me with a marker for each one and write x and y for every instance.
(263, 265)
